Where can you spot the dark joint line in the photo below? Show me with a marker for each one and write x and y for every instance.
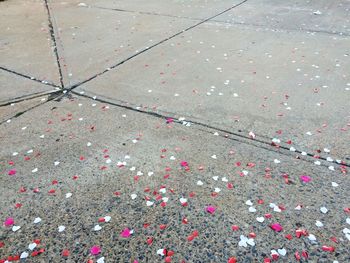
(236, 136)
(29, 77)
(154, 45)
(53, 39)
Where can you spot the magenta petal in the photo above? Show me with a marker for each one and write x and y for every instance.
(9, 222)
(276, 227)
(305, 178)
(125, 233)
(12, 172)
(211, 209)
(95, 250)
(184, 164)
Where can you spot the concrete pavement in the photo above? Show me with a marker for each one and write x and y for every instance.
(174, 131)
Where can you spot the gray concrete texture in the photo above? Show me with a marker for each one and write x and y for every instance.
(25, 44)
(139, 115)
(15, 87)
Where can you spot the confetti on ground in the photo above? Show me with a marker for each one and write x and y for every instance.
(142, 133)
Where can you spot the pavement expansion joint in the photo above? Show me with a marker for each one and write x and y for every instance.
(155, 45)
(283, 29)
(27, 97)
(45, 82)
(259, 143)
(57, 95)
(54, 42)
(147, 13)
(225, 143)
(257, 26)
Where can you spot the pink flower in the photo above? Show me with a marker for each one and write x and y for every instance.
(210, 209)
(9, 222)
(126, 233)
(12, 172)
(305, 178)
(95, 250)
(276, 227)
(184, 163)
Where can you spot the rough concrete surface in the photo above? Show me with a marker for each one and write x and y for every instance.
(15, 87)
(94, 39)
(25, 43)
(174, 131)
(261, 81)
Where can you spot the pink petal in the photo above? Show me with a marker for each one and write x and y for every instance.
(9, 222)
(12, 172)
(276, 227)
(95, 250)
(210, 209)
(305, 178)
(125, 233)
(184, 163)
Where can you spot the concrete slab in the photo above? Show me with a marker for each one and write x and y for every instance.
(14, 87)
(9, 112)
(290, 86)
(95, 39)
(84, 163)
(196, 9)
(25, 44)
(227, 143)
(324, 16)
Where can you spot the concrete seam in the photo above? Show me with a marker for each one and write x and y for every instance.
(53, 39)
(236, 136)
(153, 46)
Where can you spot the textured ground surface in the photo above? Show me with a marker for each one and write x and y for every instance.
(174, 131)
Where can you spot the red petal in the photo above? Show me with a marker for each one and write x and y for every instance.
(235, 228)
(190, 238)
(305, 254)
(328, 248)
(150, 241)
(252, 235)
(65, 253)
(289, 236)
(170, 253)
